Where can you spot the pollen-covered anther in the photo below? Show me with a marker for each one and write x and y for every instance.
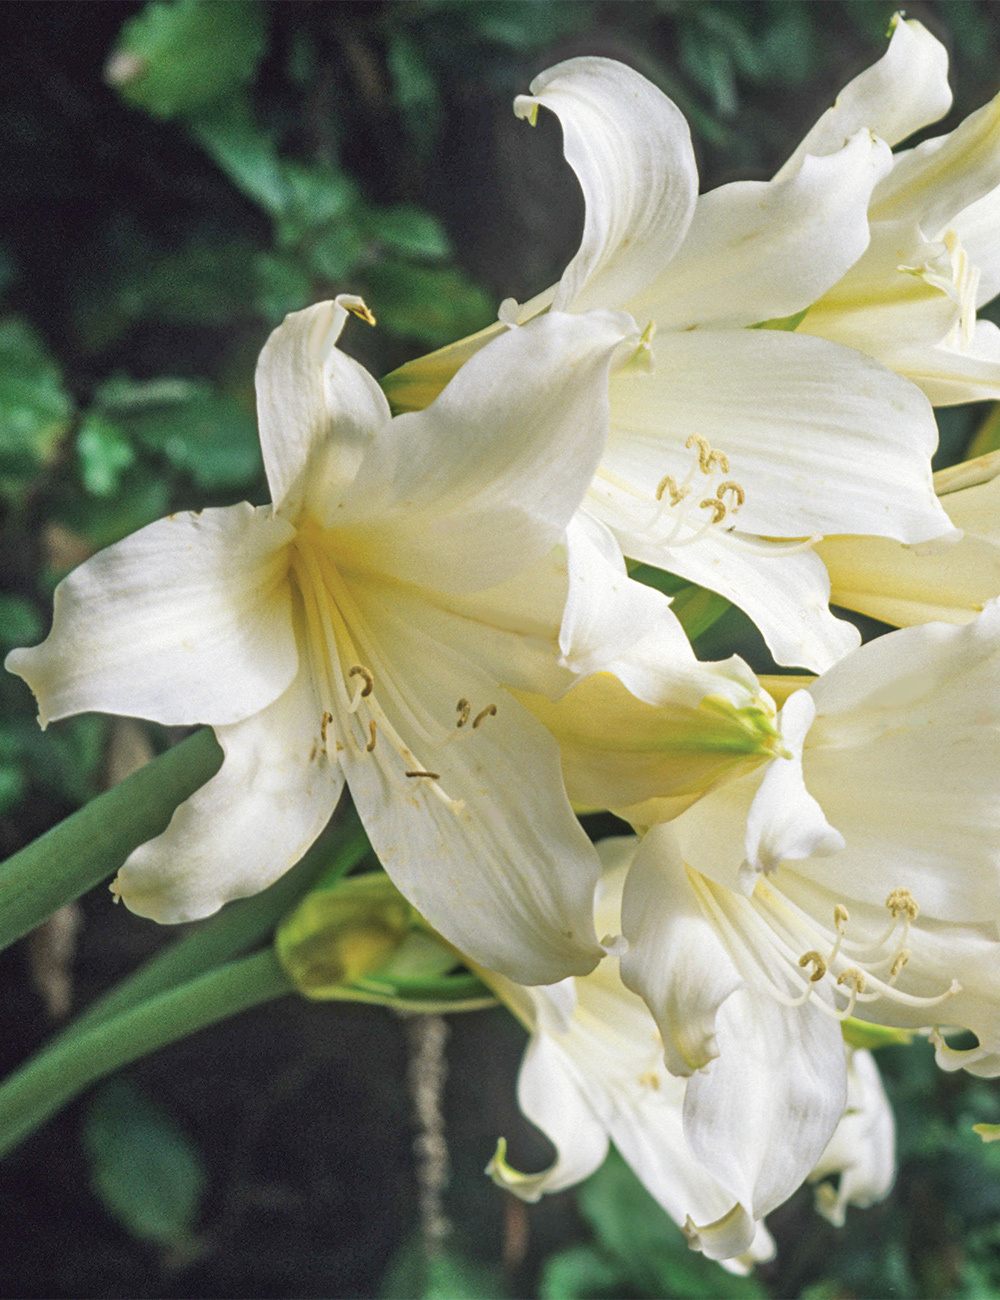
(707, 454)
(899, 961)
(841, 917)
(851, 975)
(650, 1080)
(489, 712)
(463, 708)
(900, 902)
(371, 744)
(431, 776)
(818, 964)
(367, 677)
(669, 484)
(717, 507)
(731, 488)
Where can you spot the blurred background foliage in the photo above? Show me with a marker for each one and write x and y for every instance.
(177, 177)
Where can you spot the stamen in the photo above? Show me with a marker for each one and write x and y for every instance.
(900, 901)
(717, 507)
(841, 916)
(677, 494)
(371, 744)
(325, 721)
(431, 776)
(464, 708)
(489, 712)
(856, 979)
(731, 486)
(902, 957)
(817, 963)
(359, 671)
(707, 455)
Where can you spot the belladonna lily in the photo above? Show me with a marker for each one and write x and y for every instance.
(364, 626)
(906, 585)
(736, 447)
(593, 1073)
(934, 256)
(856, 878)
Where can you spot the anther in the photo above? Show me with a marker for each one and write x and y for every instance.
(704, 448)
(669, 484)
(739, 496)
(841, 916)
(489, 712)
(464, 708)
(817, 963)
(325, 721)
(902, 901)
(717, 507)
(902, 957)
(366, 674)
(431, 776)
(371, 744)
(854, 977)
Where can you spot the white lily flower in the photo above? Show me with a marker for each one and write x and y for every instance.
(934, 256)
(906, 585)
(862, 1151)
(593, 1073)
(741, 447)
(755, 927)
(364, 625)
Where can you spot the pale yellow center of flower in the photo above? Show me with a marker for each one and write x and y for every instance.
(356, 685)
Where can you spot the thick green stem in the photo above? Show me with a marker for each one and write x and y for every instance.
(93, 843)
(239, 926)
(71, 1063)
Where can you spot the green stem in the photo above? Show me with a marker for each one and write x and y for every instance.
(237, 927)
(71, 1063)
(93, 843)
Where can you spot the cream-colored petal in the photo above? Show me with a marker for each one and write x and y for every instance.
(785, 821)
(934, 182)
(631, 150)
(188, 620)
(480, 837)
(761, 250)
(905, 90)
(318, 409)
(246, 826)
(675, 960)
(480, 485)
(761, 1115)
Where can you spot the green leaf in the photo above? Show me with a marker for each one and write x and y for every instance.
(176, 58)
(639, 1235)
(143, 1167)
(583, 1273)
(142, 497)
(432, 305)
(280, 285)
(411, 231)
(20, 623)
(246, 155)
(202, 432)
(35, 409)
(444, 1274)
(415, 89)
(104, 453)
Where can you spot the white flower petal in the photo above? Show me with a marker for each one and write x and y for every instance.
(606, 611)
(934, 182)
(821, 438)
(631, 150)
(785, 821)
(675, 960)
(761, 1115)
(488, 848)
(317, 408)
(188, 620)
(760, 250)
(246, 826)
(554, 1096)
(905, 90)
(863, 1148)
(490, 474)
(951, 375)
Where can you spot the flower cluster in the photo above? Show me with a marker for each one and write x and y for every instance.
(735, 388)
